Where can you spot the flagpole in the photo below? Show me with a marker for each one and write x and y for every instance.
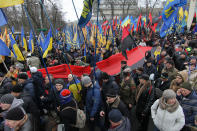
(4, 64)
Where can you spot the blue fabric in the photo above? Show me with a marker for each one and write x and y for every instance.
(93, 100)
(3, 19)
(189, 105)
(4, 50)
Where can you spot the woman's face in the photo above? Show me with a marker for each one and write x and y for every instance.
(171, 101)
(179, 80)
(59, 87)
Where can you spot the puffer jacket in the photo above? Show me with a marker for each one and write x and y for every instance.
(28, 87)
(166, 121)
(174, 86)
(189, 105)
(124, 126)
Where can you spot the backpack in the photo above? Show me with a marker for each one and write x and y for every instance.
(81, 117)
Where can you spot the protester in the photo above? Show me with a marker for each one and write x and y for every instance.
(118, 122)
(163, 82)
(170, 69)
(5, 84)
(166, 112)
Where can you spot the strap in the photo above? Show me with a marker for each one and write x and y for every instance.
(149, 92)
(69, 107)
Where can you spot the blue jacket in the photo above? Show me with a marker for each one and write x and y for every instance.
(189, 105)
(28, 87)
(93, 100)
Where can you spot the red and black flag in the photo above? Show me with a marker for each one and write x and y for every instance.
(127, 42)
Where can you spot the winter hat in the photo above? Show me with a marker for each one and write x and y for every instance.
(164, 75)
(170, 61)
(115, 115)
(86, 80)
(144, 76)
(7, 99)
(15, 114)
(65, 96)
(168, 94)
(187, 85)
(22, 76)
(59, 81)
(105, 76)
(111, 93)
(17, 88)
(33, 69)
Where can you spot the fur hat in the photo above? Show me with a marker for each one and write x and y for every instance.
(169, 94)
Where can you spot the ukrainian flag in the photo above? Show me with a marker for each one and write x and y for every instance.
(24, 42)
(16, 50)
(48, 44)
(126, 21)
(31, 43)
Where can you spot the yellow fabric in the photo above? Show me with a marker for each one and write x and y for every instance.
(25, 44)
(75, 91)
(49, 48)
(181, 14)
(18, 53)
(7, 3)
(32, 45)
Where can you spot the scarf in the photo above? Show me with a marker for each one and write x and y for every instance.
(142, 89)
(170, 108)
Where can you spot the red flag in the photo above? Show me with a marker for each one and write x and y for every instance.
(139, 22)
(132, 29)
(150, 18)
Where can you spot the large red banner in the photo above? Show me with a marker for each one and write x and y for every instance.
(111, 65)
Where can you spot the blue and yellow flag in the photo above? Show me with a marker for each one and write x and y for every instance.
(126, 21)
(86, 13)
(3, 19)
(24, 42)
(7, 3)
(48, 44)
(31, 42)
(4, 50)
(16, 50)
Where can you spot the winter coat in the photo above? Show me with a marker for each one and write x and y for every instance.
(180, 64)
(6, 86)
(121, 71)
(34, 61)
(68, 116)
(144, 99)
(29, 105)
(124, 126)
(150, 70)
(128, 91)
(174, 86)
(109, 85)
(167, 121)
(162, 85)
(75, 89)
(171, 72)
(28, 87)
(28, 126)
(93, 100)
(189, 105)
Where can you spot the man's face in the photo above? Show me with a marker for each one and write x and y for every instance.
(11, 123)
(193, 61)
(185, 92)
(5, 106)
(123, 65)
(182, 56)
(11, 69)
(111, 99)
(46, 80)
(1, 78)
(179, 80)
(168, 65)
(70, 79)
(105, 80)
(21, 81)
(149, 64)
(59, 87)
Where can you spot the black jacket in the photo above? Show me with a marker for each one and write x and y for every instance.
(162, 85)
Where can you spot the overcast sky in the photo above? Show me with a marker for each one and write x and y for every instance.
(67, 8)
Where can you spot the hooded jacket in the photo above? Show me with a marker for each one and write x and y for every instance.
(167, 121)
(124, 126)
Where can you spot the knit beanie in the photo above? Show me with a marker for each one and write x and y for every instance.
(169, 94)
(7, 99)
(115, 115)
(187, 85)
(60, 81)
(111, 93)
(144, 77)
(65, 96)
(86, 80)
(15, 114)
(22, 76)
(17, 88)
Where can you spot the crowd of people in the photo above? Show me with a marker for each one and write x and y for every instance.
(160, 94)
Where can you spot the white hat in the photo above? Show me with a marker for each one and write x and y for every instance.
(29, 54)
(33, 69)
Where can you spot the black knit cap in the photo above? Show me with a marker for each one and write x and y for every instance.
(22, 76)
(115, 115)
(105, 76)
(15, 114)
(17, 88)
(144, 76)
(7, 99)
(111, 93)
